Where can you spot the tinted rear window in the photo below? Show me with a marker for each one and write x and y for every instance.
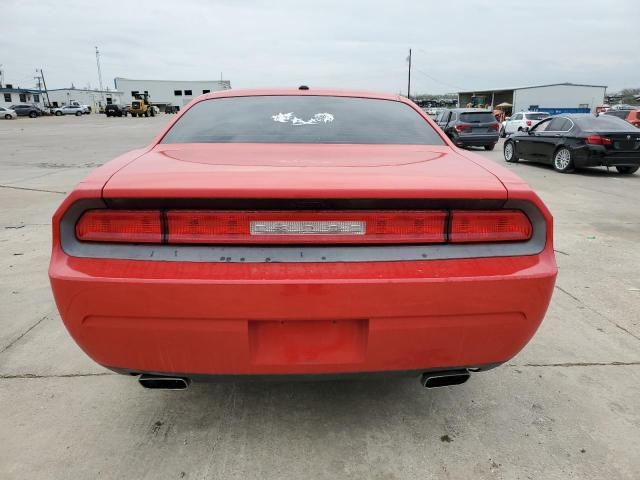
(604, 123)
(302, 119)
(537, 116)
(479, 117)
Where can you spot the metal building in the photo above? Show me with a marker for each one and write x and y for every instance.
(553, 98)
(96, 99)
(168, 92)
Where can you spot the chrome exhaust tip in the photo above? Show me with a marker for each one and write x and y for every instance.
(160, 382)
(444, 378)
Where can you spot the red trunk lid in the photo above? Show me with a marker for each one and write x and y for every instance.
(303, 171)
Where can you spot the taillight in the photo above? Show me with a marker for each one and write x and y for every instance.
(500, 226)
(123, 226)
(303, 227)
(462, 127)
(598, 140)
(494, 126)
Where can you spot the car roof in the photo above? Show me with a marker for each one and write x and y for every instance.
(471, 110)
(304, 93)
(575, 115)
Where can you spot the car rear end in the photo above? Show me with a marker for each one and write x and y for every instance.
(114, 110)
(608, 141)
(476, 129)
(531, 119)
(634, 118)
(268, 260)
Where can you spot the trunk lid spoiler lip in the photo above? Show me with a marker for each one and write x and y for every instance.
(415, 177)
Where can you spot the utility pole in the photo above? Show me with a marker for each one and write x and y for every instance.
(99, 74)
(409, 81)
(46, 92)
(39, 85)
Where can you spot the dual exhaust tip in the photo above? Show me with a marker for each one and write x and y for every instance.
(428, 380)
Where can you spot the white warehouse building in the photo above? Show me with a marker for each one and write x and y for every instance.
(168, 92)
(96, 99)
(553, 98)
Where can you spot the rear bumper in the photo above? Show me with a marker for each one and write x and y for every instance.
(476, 140)
(301, 319)
(596, 155)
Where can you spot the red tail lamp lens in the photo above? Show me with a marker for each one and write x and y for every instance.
(481, 226)
(306, 227)
(303, 227)
(598, 140)
(462, 127)
(122, 226)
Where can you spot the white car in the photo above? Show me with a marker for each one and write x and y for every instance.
(69, 110)
(86, 109)
(7, 113)
(521, 121)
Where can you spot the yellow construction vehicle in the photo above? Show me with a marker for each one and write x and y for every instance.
(140, 106)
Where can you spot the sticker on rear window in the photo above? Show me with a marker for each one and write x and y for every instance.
(293, 120)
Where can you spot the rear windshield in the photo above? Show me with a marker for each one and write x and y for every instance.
(477, 117)
(302, 119)
(537, 116)
(604, 123)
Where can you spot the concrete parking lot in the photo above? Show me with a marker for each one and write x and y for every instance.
(566, 407)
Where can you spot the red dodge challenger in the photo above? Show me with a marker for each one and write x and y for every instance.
(301, 233)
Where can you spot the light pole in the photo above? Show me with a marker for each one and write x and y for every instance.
(99, 74)
(409, 80)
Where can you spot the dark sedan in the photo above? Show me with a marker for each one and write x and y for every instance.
(575, 141)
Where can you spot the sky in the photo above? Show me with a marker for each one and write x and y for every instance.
(457, 45)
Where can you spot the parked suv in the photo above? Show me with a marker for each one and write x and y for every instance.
(114, 110)
(632, 116)
(470, 127)
(76, 110)
(521, 121)
(25, 110)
